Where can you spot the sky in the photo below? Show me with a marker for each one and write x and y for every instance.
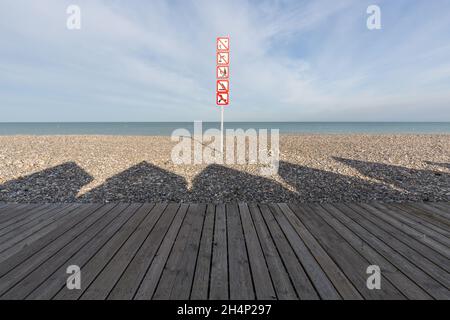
(290, 60)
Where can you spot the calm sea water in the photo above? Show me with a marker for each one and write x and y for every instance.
(166, 128)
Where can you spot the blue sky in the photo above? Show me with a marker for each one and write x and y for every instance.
(290, 61)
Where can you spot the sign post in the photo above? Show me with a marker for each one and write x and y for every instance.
(222, 76)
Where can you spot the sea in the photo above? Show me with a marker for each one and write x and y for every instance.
(166, 128)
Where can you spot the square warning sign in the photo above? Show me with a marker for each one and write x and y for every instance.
(222, 99)
(223, 72)
(223, 58)
(223, 86)
(223, 44)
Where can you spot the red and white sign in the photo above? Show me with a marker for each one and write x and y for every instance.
(222, 99)
(223, 71)
(223, 58)
(223, 44)
(223, 86)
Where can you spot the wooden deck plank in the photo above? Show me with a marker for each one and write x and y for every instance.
(22, 232)
(70, 222)
(125, 259)
(200, 285)
(22, 212)
(182, 285)
(29, 220)
(422, 287)
(342, 284)
(406, 251)
(154, 251)
(186, 241)
(443, 207)
(444, 215)
(353, 262)
(280, 277)
(20, 265)
(302, 284)
(415, 223)
(150, 281)
(318, 277)
(240, 279)
(386, 215)
(425, 217)
(225, 251)
(399, 235)
(219, 266)
(260, 273)
(32, 280)
(98, 262)
(128, 216)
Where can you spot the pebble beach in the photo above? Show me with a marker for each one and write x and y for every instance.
(313, 168)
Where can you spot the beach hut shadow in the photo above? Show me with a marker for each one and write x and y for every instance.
(427, 185)
(315, 185)
(143, 182)
(220, 184)
(57, 184)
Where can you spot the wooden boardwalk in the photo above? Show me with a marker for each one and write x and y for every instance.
(233, 251)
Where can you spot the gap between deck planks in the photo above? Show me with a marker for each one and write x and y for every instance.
(225, 251)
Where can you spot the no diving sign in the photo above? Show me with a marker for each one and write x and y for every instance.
(222, 71)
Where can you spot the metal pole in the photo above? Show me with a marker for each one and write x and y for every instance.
(221, 130)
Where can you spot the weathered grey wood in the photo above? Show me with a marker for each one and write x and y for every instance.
(342, 284)
(32, 280)
(200, 283)
(219, 265)
(20, 213)
(41, 228)
(275, 251)
(29, 220)
(399, 235)
(386, 215)
(260, 273)
(443, 207)
(174, 265)
(415, 223)
(151, 278)
(11, 276)
(182, 285)
(409, 253)
(351, 260)
(240, 279)
(127, 216)
(318, 277)
(424, 217)
(129, 260)
(443, 215)
(73, 223)
(47, 217)
(423, 285)
(303, 286)
(134, 277)
(280, 278)
(91, 269)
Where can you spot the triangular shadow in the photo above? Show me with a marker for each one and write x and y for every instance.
(57, 184)
(143, 182)
(220, 184)
(417, 184)
(315, 185)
